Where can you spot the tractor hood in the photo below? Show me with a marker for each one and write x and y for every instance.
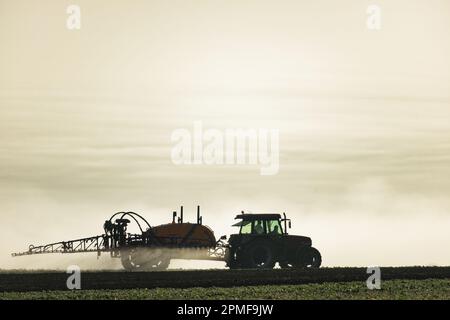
(300, 240)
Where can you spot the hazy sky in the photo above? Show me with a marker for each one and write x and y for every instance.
(86, 118)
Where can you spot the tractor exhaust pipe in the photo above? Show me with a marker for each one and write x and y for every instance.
(199, 218)
(180, 219)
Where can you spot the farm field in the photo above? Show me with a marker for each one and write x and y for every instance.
(391, 289)
(56, 280)
(323, 283)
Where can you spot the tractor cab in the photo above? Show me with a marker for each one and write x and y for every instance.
(262, 224)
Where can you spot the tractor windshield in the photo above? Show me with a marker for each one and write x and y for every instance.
(274, 227)
(246, 227)
(260, 226)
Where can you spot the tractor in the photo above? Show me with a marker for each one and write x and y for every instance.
(261, 242)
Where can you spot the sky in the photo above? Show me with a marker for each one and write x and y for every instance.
(86, 118)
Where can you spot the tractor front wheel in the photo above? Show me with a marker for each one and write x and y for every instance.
(308, 258)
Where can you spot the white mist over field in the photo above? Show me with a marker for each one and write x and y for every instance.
(366, 227)
(86, 119)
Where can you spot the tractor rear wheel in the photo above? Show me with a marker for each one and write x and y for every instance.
(259, 255)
